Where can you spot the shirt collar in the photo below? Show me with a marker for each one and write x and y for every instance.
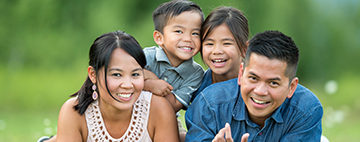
(182, 69)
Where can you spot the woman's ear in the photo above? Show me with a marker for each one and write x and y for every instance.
(158, 38)
(92, 74)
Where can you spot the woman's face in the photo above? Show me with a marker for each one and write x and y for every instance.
(125, 80)
(221, 52)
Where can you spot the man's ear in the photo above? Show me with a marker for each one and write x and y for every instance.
(158, 38)
(292, 87)
(241, 71)
(92, 74)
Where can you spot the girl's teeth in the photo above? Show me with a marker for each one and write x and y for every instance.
(124, 95)
(216, 61)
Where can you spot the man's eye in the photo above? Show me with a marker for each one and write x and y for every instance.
(274, 84)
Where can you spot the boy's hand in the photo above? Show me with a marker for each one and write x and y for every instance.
(158, 87)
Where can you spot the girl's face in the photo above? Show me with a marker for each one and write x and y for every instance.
(221, 52)
(125, 80)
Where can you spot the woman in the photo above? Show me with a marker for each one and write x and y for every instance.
(111, 105)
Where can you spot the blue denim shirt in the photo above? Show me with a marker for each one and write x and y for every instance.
(206, 81)
(297, 119)
(185, 78)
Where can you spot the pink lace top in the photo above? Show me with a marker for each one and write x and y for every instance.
(137, 130)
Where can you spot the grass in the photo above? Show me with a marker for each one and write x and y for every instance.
(31, 99)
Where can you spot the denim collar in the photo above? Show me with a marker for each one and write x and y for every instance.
(182, 69)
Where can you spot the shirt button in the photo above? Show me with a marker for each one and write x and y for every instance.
(165, 78)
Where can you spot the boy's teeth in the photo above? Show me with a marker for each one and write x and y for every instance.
(259, 102)
(124, 95)
(187, 48)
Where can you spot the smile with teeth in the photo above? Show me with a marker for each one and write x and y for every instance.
(259, 102)
(186, 48)
(218, 60)
(124, 95)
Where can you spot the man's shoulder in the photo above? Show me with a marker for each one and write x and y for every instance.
(221, 92)
(304, 99)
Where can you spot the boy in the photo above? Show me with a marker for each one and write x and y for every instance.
(265, 103)
(177, 34)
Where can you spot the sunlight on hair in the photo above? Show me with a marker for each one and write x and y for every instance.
(331, 87)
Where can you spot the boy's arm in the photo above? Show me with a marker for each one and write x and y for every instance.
(155, 85)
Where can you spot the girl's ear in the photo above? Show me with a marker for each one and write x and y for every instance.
(92, 74)
(241, 71)
(158, 38)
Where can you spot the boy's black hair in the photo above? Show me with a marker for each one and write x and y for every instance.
(167, 10)
(99, 56)
(275, 45)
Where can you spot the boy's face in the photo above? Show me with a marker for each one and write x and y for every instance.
(264, 86)
(181, 37)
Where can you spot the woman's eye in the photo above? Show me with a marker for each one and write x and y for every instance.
(136, 74)
(116, 74)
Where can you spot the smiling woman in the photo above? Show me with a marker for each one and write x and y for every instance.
(111, 105)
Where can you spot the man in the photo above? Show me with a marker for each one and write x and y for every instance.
(269, 105)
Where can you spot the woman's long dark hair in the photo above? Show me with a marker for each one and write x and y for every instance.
(99, 56)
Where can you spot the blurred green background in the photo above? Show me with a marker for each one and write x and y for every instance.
(44, 53)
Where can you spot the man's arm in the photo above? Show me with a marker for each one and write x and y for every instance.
(200, 121)
(306, 128)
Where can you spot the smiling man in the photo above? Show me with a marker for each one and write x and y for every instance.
(265, 103)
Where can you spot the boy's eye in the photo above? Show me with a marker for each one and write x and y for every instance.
(196, 34)
(208, 44)
(179, 31)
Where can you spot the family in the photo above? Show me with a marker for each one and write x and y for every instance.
(249, 92)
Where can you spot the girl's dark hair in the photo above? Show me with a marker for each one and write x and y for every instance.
(234, 19)
(99, 56)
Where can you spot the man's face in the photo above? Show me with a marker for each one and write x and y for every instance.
(264, 86)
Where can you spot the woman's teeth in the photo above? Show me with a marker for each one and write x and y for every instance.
(124, 95)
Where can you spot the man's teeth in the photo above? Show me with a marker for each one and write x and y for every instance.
(124, 95)
(259, 102)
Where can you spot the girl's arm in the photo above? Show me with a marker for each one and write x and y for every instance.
(70, 123)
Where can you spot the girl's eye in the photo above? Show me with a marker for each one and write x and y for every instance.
(208, 44)
(227, 43)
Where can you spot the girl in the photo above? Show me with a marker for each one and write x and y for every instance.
(111, 105)
(224, 36)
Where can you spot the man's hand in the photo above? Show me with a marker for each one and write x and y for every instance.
(226, 131)
(224, 135)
